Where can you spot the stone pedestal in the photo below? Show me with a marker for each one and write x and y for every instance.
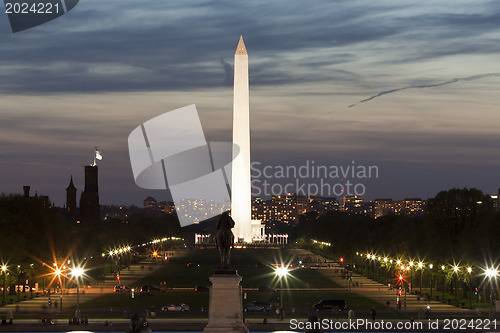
(225, 311)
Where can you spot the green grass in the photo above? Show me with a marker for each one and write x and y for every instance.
(124, 301)
(256, 266)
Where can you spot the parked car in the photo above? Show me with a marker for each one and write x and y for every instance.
(176, 307)
(257, 306)
(331, 304)
(118, 288)
(266, 289)
(149, 288)
(201, 288)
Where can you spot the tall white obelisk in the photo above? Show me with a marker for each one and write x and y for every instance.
(241, 197)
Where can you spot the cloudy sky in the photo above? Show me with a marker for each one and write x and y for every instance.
(91, 76)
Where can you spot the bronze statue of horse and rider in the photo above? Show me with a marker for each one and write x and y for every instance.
(224, 239)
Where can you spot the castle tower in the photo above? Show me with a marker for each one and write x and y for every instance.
(26, 191)
(71, 198)
(89, 200)
(241, 198)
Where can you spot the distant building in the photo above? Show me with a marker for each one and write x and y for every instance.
(323, 205)
(44, 198)
(303, 204)
(414, 206)
(166, 206)
(357, 205)
(257, 209)
(150, 203)
(89, 200)
(157, 208)
(495, 200)
(382, 207)
(409, 206)
(281, 208)
(71, 209)
(26, 191)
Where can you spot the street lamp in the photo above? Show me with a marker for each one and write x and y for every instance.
(77, 273)
(455, 269)
(491, 273)
(469, 270)
(411, 275)
(444, 279)
(420, 266)
(385, 269)
(4, 270)
(281, 272)
(430, 267)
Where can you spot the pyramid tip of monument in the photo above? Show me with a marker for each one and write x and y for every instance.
(241, 48)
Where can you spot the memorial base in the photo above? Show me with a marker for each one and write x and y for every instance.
(225, 311)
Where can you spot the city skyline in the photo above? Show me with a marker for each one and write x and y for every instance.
(87, 78)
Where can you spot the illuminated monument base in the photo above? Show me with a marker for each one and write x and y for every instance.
(225, 310)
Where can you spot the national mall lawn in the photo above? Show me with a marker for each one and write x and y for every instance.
(303, 286)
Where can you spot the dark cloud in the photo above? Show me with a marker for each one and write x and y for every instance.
(428, 85)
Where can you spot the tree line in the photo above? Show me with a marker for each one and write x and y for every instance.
(458, 225)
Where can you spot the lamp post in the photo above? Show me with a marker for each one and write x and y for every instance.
(4, 270)
(385, 270)
(421, 268)
(430, 267)
(282, 272)
(77, 273)
(455, 269)
(390, 269)
(469, 270)
(411, 275)
(444, 278)
(378, 269)
(407, 269)
(491, 273)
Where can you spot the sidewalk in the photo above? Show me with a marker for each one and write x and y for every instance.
(382, 294)
(68, 296)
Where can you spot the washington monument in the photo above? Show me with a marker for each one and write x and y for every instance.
(241, 198)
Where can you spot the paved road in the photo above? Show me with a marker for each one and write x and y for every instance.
(69, 296)
(382, 294)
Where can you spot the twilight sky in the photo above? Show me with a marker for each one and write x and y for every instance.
(91, 76)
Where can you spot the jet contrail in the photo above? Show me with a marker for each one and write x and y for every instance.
(468, 78)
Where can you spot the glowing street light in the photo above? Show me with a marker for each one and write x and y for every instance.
(456, 269)
(469, 270)
(281, 272)
(77, 273)
(421, 266)
(4, 270)
(444, 279)
(410, 268)
(491, 273)
(430, 267)
(385, 269)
